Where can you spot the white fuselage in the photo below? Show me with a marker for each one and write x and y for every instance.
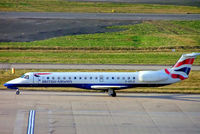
(93, 80)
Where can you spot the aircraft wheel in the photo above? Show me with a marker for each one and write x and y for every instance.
(112, 93)
(17, 92)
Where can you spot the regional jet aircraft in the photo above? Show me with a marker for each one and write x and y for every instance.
(107, 81)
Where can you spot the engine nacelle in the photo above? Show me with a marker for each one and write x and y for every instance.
(152, 76)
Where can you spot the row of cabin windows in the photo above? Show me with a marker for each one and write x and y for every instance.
(118, 78)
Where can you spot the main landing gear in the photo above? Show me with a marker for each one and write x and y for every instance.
(17, 92)
(112, 92)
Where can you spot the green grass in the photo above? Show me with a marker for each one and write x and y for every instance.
(165, 58)
(91, 7)
(144, 35)
(191, 85)
(147, 43)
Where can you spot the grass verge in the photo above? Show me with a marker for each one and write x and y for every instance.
(191, 85)
(164, 58)
(91, 7)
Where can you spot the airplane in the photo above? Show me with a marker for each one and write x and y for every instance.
(107, 81)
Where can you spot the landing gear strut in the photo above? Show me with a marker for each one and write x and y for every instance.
(17, 92)
(111, 92)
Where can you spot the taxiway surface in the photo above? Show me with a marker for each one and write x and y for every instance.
(89, 113)
(97, 16)
(86, 66)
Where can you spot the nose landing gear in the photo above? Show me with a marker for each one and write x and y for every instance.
(112, 92)
(17, 92)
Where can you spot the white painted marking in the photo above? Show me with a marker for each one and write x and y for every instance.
(31, 122)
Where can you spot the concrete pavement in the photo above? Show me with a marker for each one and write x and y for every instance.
(89, 113)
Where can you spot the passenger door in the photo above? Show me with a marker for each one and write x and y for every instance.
(37, 79)
(101, 78)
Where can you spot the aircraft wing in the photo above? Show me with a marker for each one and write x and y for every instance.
(106, 87)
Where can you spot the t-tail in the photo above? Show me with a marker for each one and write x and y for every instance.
(182, 68)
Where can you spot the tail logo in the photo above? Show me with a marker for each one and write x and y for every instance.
(181, 69)
(175, 76)
(187, 61)
(184, 69)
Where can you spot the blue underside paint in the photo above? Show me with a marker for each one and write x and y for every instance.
(84, 86)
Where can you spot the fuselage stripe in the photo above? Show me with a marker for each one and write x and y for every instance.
(42, 74)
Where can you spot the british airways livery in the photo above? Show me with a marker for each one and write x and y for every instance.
(108, 81)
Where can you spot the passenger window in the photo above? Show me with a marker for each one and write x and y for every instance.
(85, 78)
(90, 77)
(79, 77)
(113, 78)
(26, 77)
(133, 77)
(129, 78)
(22, 76)
(70, 78)
(96, 78)
(64, 78)
(52, 78)
(47, 78)
(118, 78)
(107, 78)
(58, 77)
(123, 78)
(74, 77)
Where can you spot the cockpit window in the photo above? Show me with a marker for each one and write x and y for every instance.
(22, 76)
(26, 77)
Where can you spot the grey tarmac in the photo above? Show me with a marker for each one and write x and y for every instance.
(22, 30)
(31, 26)
(86, 66)
(89, 113)
(97, 16)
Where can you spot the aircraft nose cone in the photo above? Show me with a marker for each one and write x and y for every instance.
(6, 84)
(9, 85)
